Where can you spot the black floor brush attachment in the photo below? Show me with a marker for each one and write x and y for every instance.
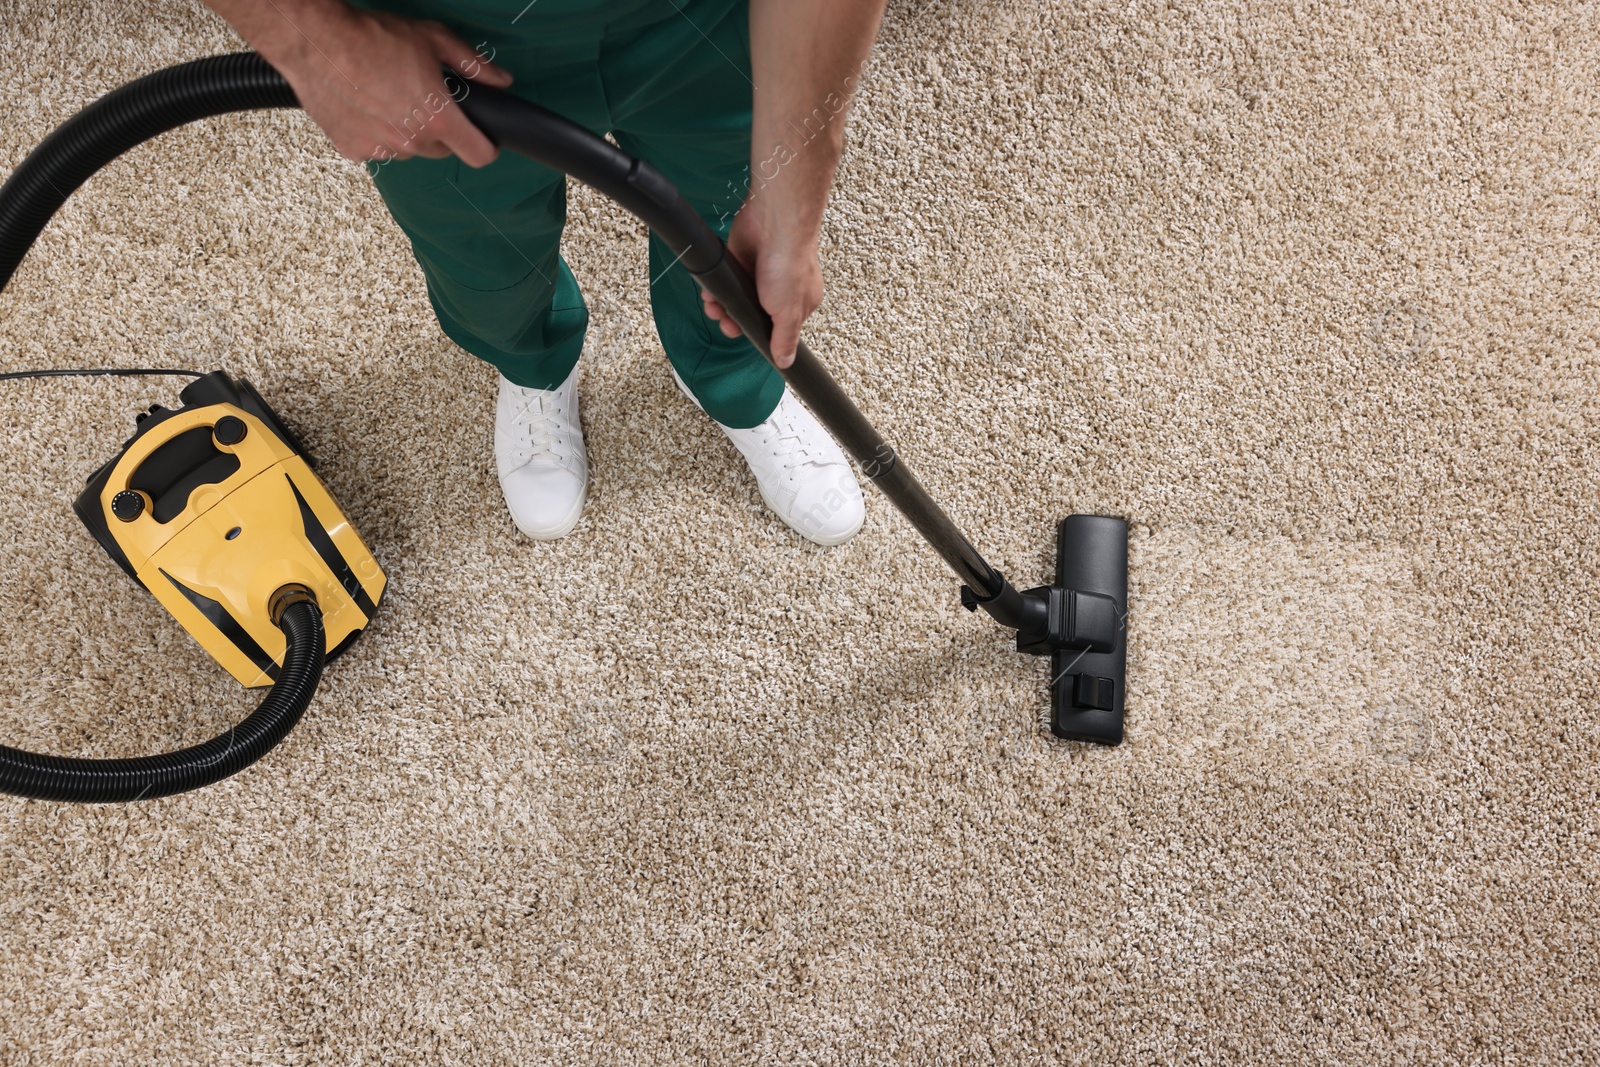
(1081, 622)
(1089, 682)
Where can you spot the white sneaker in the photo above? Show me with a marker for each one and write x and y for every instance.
(801, 471)
(538, 450)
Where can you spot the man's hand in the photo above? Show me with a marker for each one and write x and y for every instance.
(370, 79)
(783, 261)
(805, 56)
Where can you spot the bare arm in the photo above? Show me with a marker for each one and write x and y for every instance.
(806, 56)
(371, 80)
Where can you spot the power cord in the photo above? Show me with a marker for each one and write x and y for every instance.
(98, 371)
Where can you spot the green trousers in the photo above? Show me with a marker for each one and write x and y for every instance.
(670, 81)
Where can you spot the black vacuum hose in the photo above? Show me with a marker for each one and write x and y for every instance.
(41, 183)
(103, 781)
(115, 123)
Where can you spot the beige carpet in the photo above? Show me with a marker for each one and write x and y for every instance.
(1307, 294)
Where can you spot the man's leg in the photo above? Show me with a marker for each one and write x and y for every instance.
(488, 243)
(680, 98)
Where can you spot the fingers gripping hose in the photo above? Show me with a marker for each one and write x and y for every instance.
(98, 781)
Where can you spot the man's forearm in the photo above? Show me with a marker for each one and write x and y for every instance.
(806, 57)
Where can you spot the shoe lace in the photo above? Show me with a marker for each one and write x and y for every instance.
(784, 437)
(537, 426)
(539, 434)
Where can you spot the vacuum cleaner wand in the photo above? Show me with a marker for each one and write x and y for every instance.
(1079, 620)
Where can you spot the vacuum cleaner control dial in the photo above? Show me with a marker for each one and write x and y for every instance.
(127, 505)
(229, 430)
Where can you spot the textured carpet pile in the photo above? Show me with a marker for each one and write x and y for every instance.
(1307, 292)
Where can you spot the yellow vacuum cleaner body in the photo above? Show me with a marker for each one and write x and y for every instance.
(213, 507)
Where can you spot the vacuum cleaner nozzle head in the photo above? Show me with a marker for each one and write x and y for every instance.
(1089, 671)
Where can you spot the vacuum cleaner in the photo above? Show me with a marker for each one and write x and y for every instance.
(213, 507)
